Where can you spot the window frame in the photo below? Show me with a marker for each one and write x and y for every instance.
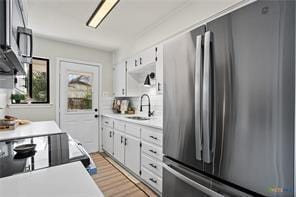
(47, 80)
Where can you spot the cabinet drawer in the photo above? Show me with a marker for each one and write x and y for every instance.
(152, 135)
(152, 165)
(119, 125)
(133, 130)
(152, 179)
(107, 122)
(152, 151)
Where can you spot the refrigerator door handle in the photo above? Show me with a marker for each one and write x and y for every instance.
(197, 96)
(207, 99)
(191, 182)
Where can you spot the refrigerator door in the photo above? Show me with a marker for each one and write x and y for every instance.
(179, 99)
(253, 57)
(182, 181)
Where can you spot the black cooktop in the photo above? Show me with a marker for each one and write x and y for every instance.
(51, 150)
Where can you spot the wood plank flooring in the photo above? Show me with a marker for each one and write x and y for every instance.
(114, 181)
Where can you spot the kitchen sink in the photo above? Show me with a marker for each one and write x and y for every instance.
(138, 118)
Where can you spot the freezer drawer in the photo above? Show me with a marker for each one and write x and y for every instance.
(175, 187)
(179, 180)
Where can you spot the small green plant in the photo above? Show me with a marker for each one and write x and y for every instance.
(17, 98)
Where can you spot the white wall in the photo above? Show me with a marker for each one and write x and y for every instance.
(185, 18)
(52, 49)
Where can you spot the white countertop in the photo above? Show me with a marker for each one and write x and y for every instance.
(69, 180)
(32, 129)
(153, 122)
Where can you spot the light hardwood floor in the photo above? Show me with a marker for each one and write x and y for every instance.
(113, 180)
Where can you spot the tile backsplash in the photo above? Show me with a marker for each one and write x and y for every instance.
(155, 101)
(156, 105)
(107, 104)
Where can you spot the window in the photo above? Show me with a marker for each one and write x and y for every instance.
(39, 80)
(33, 88)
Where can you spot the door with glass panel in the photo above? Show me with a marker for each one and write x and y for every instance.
(79, 98)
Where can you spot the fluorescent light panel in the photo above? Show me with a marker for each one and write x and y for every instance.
(103, 9)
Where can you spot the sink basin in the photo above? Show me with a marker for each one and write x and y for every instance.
(138, 118)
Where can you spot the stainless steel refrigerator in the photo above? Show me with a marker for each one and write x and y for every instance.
(229, 91)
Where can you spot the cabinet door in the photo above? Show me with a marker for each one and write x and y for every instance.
(132, 154)
(119, 79)
(119, 146)
(108, 140)
(147, 57)
(159, 69)
(130, 63)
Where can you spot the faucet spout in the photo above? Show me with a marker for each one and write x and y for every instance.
(149, 105)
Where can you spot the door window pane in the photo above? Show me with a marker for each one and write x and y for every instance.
(79, 91)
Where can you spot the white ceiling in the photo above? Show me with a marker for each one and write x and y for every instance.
(66, 20)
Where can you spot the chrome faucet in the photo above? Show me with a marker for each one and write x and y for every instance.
(149, 106)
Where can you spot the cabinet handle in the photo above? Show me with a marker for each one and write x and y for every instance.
(154, 166)
(152, 151)
(106, 122)
(122, 91)
(140, 61)
(125, 141)
(158, 86)
(121, 139)
(155, 138)
(110, 134)
(136, 64)
(153, 180)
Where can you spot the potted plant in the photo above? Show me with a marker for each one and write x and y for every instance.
(17, 98)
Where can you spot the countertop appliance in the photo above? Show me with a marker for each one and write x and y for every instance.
(51, 150)
(229, 90)
(15, 38)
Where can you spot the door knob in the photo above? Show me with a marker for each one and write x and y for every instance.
(96, 116)
(96, 109)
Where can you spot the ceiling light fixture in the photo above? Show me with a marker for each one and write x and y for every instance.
(103, 9)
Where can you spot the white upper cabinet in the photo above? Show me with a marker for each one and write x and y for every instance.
(142, 59)
(147, 57)
(119, 80)
(130, 75)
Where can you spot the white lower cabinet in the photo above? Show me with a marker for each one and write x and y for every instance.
(119, 147)
(152, 164)
(152, 179)
(108, 139)
(151, 157)
(127, 150)
(151, 150)
(132, 154)
(137, 147)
